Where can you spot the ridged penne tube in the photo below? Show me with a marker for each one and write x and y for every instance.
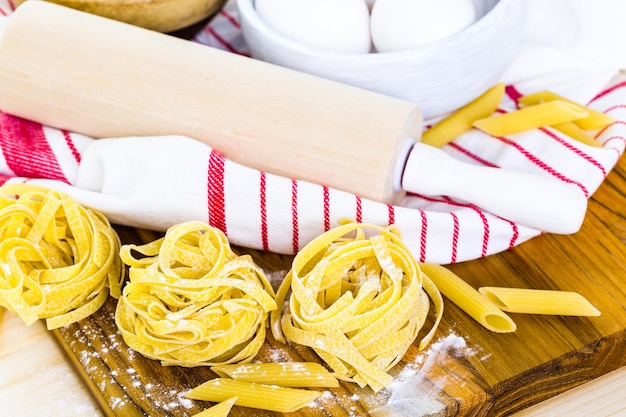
(253, 395)
(531, 301)
(573, 131)
(532, 117)
(594, 119)
(475, 304)
(220, 409)
(460, 121)
(286, 374)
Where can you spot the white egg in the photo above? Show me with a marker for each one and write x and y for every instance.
(328, 25)
(404, 24)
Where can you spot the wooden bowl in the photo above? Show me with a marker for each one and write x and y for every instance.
(157, 15)
(440, 77)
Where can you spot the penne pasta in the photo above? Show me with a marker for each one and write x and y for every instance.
(253, 395)
(532, 117)
(475, 304)
(461, 121)
(220, 409)
(531, 301)
(286, 374)
(594, 119)
(573, 131)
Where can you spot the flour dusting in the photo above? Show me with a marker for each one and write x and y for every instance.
(410, 393)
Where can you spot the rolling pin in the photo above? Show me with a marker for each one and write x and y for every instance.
(102, 78)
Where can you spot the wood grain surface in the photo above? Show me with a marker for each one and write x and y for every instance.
(466, 371)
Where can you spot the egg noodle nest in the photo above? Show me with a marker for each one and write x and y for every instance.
(191, 301)
(58, 260)
(358, 298)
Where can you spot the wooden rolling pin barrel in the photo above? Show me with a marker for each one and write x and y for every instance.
(102, 78)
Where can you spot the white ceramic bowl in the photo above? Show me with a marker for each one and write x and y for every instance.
(440, 77)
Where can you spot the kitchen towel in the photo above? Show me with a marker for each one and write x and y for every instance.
(156, 182)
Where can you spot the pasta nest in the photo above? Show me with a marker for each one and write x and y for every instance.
(58, 260)
(191, 301)
(358, 299)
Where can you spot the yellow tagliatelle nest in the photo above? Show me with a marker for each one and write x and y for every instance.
(58, 260)
(191, 301)
(357, 298)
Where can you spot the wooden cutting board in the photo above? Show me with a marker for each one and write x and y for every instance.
(466, 371)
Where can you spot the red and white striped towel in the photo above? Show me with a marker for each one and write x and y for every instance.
(160, 181)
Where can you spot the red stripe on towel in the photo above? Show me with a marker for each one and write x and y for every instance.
(222, 41)
(263, 202)
(513, 94)
(455, 237)
(485, 222)
(26, 149)
(70, 144)
(215, 186)
(614, 137)
(515, 236)
(359, 209)
(392, 214)
(295, 237)
(230, 18)
(608, 91)
(575, 150)
(472, 155)
(542, 164)
(483, 218)
(423, 234)
(326, 209)
(486, 231)
(11, 7)
(615, 107)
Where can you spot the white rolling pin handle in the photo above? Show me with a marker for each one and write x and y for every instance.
(539, 202)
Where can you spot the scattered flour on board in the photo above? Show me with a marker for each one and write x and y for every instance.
(275, 355)
(414, 373)
(407, 393)
(169, 400)
(328, 396)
